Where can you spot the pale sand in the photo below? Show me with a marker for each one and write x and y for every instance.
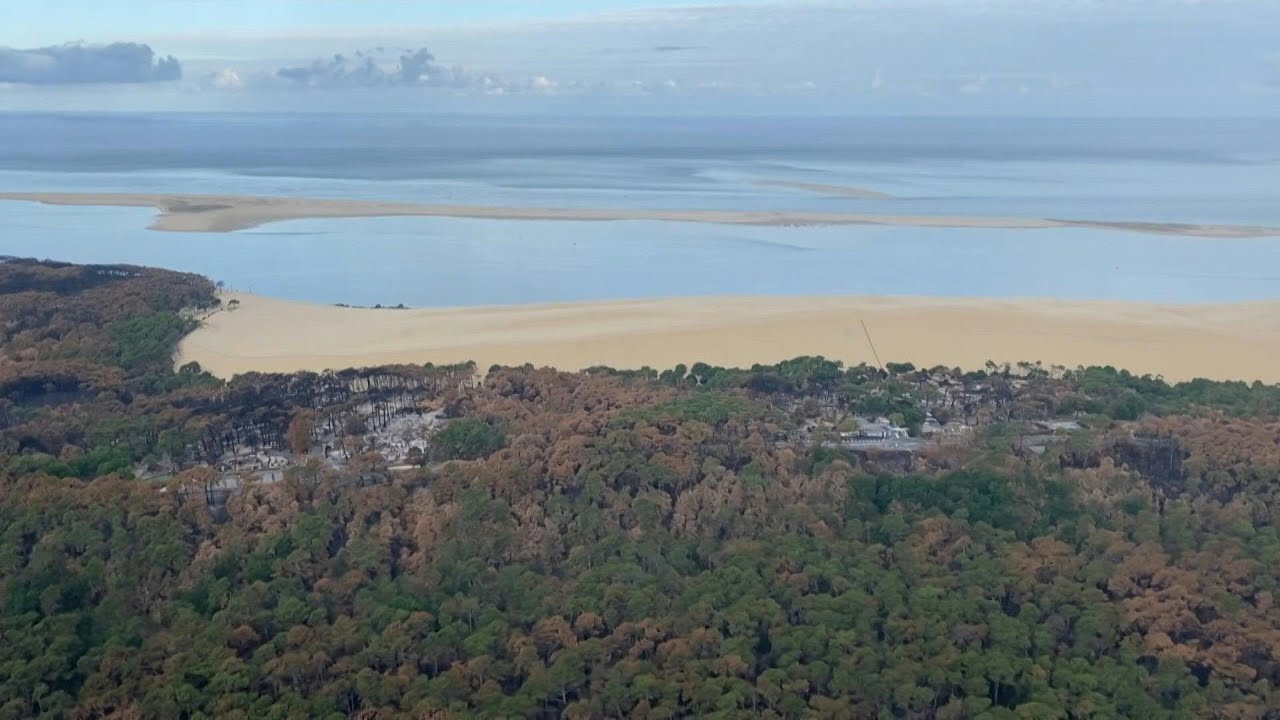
(822, 189)
(1240, 341)
(227, 213)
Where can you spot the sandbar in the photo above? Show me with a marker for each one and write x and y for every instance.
(825, 189)
(1229, 342)
(228, 213)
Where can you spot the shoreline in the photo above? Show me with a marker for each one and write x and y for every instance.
(228, 213)
(1180, 342)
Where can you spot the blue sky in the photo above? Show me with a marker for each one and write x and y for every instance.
(994, 57)
(62, 20)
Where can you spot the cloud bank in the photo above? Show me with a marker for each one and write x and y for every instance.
(80, 64)
(372, 69)
(383, 67)
(1050, 57)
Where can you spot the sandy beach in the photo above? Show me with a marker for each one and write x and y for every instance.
(227, 213)
(1238, 341)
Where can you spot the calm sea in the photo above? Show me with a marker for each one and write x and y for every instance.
(1199, 171)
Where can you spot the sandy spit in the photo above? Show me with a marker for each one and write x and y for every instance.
(1236, 341)
(227, 213)
(824, 189)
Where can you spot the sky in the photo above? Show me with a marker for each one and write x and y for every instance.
(284, 17)
(878, 57)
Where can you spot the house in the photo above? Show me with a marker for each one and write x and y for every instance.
(877, 429)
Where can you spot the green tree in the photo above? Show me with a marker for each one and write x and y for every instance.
(467, 439)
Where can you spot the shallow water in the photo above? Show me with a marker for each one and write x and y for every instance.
(445, 261)
(1172, 171)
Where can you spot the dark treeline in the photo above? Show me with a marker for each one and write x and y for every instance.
(87, 385)
(648, 544)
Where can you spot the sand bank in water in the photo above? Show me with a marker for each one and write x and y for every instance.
(1239, 341)
(226, 213)
(830, 190)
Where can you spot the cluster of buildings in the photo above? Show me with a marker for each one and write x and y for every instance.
(881, 432)
(267, 465)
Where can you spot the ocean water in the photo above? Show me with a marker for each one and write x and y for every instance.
(1200, 171)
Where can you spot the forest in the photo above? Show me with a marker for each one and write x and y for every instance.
(684, 542)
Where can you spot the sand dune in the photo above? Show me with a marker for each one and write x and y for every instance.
(1239, 341)
(227, 213)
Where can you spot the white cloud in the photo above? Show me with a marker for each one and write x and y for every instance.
(881, 56)
(973, 86)
(384, 67)
(226, 79)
